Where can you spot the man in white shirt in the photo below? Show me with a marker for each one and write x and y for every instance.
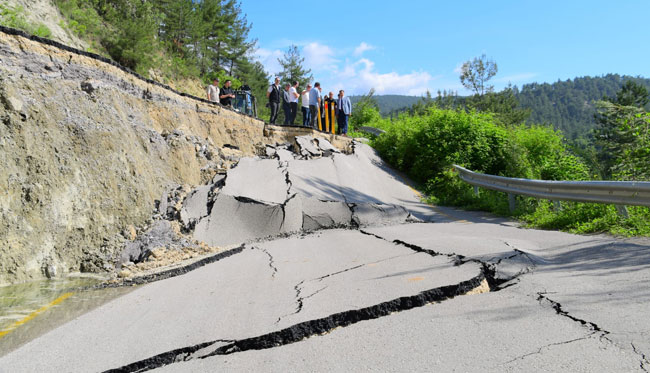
(304, 96)
(293, 101)
(213, 91)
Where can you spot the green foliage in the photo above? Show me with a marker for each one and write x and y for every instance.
(542, 153)
(175, 39)
(426, 146)
(570, 105)
(365, 112)
(583, 218)
(632, 94)
(476, 73)
(624, 139)
(222, 76)
(292, 68)
(504, 105)
(622, 133)
(15, 17)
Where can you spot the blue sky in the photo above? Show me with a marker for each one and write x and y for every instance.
(407, 47)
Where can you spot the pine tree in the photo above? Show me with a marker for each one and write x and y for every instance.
(292, 68)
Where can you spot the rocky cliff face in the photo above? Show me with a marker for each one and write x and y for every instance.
(87, 149)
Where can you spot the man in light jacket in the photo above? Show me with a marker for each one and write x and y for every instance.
(213, 91)
(344, 108)
(314, 102)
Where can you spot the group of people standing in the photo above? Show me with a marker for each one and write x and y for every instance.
(313, 106)
(223, 95)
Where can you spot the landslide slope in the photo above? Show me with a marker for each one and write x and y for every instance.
(87, 150)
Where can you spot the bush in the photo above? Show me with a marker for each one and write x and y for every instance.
(426, 146)
(15, 18)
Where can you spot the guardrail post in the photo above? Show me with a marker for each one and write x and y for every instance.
(476, 193)
(512, 202)
(622, 211)
(557, 205)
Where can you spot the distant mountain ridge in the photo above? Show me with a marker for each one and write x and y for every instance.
(388, 103)
(568, 105)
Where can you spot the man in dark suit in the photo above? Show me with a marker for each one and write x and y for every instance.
(274, 93)
(344, 108)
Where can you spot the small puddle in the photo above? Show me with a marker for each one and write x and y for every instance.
(32, 309)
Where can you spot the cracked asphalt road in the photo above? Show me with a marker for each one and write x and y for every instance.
(383, 297)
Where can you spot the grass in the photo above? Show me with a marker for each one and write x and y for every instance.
(14, 17)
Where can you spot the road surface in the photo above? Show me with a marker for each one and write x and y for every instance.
(432, 289)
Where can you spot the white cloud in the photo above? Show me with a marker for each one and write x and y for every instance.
(363, 47)
(366, 77)
(269, 58)
(355, 76)
(319, 57)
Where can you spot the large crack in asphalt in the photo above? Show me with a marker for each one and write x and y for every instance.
(541, 297)
(306, 329)
(593, 328)
(488, 269)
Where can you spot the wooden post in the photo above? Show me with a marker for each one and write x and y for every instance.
(512, 202)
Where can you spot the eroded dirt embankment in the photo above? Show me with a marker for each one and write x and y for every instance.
(88, 148)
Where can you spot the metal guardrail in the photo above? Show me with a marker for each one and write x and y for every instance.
(636, 193)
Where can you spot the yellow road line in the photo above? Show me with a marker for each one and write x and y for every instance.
(18, 323)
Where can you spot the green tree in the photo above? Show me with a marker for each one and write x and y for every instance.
(239, 46)
(133, 43)
(366, 112)
(476, 73)
(293, 69)
(254, 75)
(631, 94)
(504, 105)
(619, 129)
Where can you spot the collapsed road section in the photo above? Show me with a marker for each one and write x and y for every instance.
(292, 188)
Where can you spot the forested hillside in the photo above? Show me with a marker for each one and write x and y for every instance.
(570, 105)
(390, 103)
